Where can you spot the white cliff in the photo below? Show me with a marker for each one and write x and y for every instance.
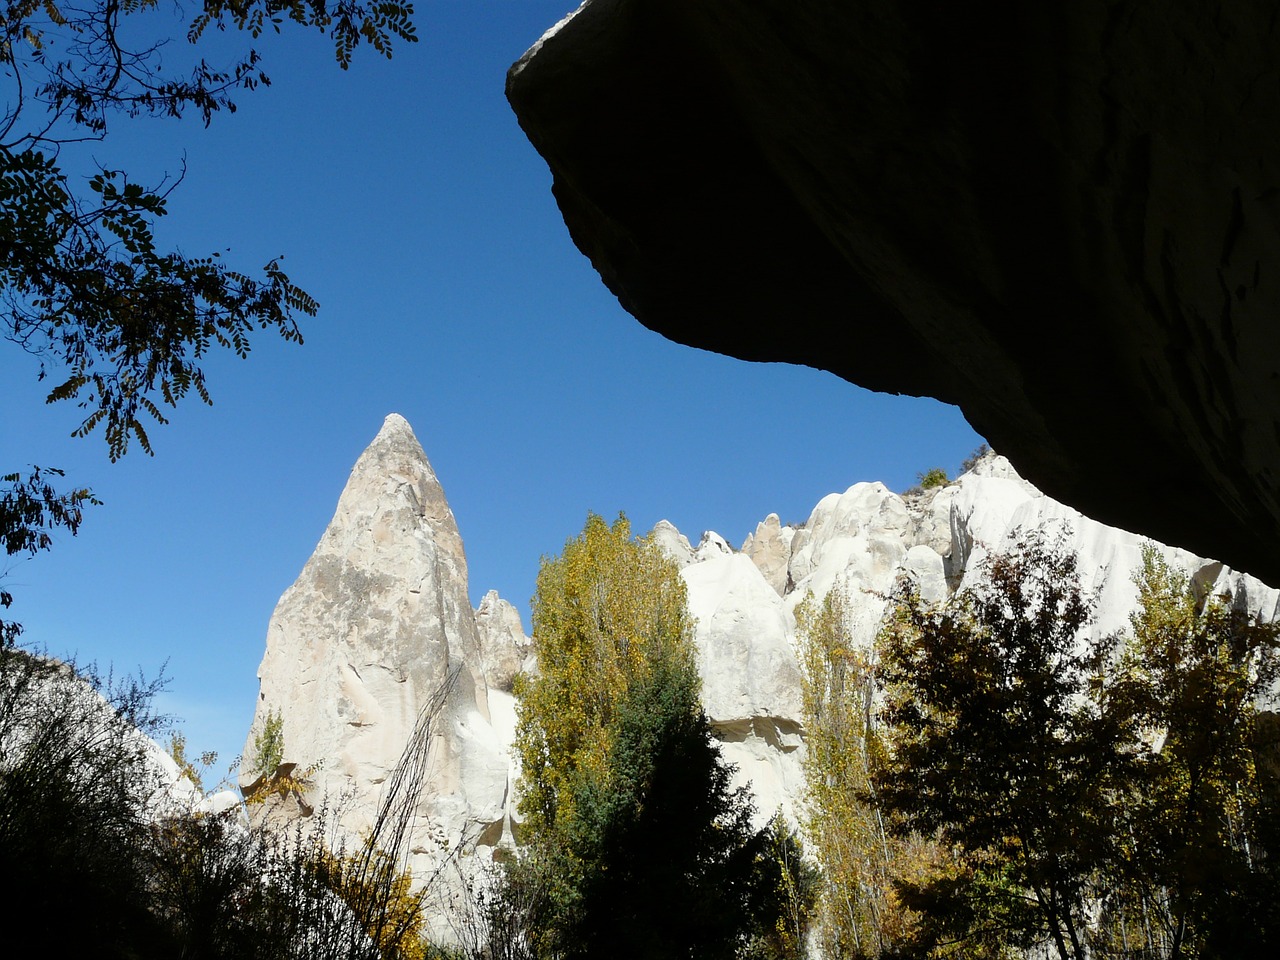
(379, 617)
(861, 541)
(378, 620)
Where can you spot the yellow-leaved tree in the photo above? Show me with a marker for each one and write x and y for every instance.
(1197, 876)
(860, 859)
(605, 611)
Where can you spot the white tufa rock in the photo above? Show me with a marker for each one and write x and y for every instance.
(380, 615)
(770, 549)
(672, 542)
(376, 622)
(505, 651)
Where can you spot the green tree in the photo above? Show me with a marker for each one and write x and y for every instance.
(1200, 869)
(848, 833)
(636, 844)
(605, 611)
(268, 746)
(119, 325)
(662, 859)
(1007, 746)
(788, 885)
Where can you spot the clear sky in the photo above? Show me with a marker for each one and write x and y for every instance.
(406, 199)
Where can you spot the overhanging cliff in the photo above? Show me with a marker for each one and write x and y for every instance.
(1064, 218)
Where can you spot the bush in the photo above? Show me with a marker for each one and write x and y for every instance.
(97, 857)
(268, 746)
(77, 790)
(927, 480)
(933, 477)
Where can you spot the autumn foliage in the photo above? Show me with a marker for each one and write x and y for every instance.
(605, 611)
(993, 777)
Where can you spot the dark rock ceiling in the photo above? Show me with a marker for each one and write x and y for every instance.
(1064, 218)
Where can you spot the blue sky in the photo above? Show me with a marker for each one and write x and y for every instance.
(407, 201)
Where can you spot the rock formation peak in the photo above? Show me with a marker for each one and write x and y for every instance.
(380, 617)
(378, 620)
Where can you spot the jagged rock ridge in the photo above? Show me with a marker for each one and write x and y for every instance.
(861, 541)
(379, 617)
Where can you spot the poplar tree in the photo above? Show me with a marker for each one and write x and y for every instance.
(846, 832)
(605, 611)
(862, 862)
(1201, 877)
(636, 844)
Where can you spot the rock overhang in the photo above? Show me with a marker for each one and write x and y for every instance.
(1064, 219)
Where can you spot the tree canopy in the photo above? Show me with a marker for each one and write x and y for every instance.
(662, 858)
(636, 838)
(1202, 815)
(1084, 795)
(120, 326)
(604, 612)
(861, 914)
(996, 747)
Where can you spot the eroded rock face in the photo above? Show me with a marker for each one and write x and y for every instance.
(504, 649)
(750, 677)
(770, 549)
(378, 620)
(1063, 218)
(860, 542)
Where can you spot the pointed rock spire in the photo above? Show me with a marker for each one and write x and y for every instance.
(372, 627)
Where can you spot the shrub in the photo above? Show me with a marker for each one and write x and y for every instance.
(96, 858)
(268, 746)
(77, 792)
(193, 769)
(933, 477)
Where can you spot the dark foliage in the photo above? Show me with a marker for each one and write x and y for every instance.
(31, 508)
(1201, 819)
(1098, 799)
(787, 888)
(999, 749)
(971, 461)
(660, 860)
(97, 860)
(74, 790)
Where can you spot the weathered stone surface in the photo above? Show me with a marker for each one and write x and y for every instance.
(745, 657)
(378, 620)
(672, 542)
(860, 542)
(1062, 217)
(504, 649)
(712, 545)
(770, 549)
(750, 676)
